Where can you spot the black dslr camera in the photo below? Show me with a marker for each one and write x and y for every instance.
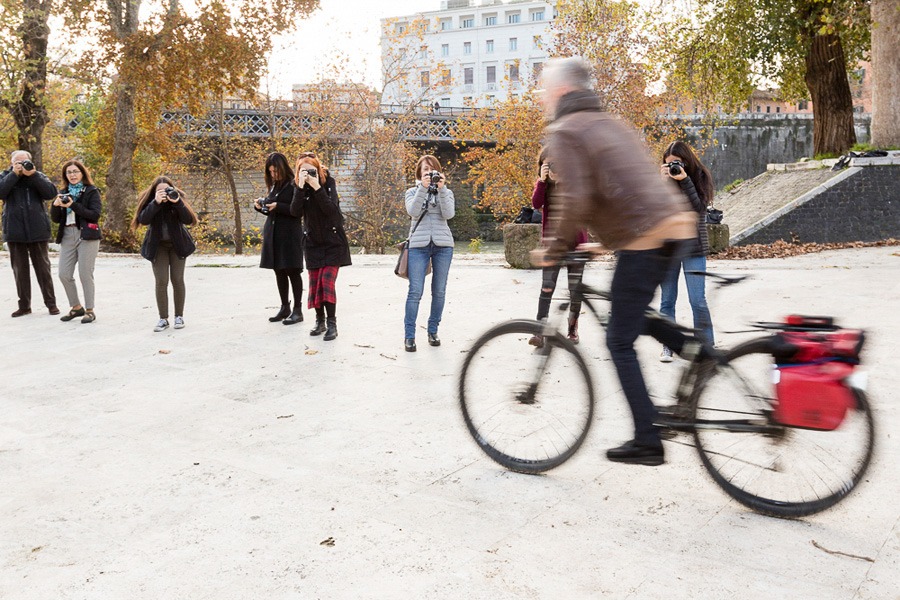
(27, 165)
(312, 172)
(675, 167)
(262, 205)
(435, 178)
(171, 193)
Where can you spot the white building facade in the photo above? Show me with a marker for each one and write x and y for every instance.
(468, 53)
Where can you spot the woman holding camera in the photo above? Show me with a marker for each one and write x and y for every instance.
(327, 249)
(681, 164)
(282, 247)
(77, 210)
(167, 243)
(542, 198)
(430, 204)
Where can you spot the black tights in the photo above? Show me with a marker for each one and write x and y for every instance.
(329, 308)
(292, 276)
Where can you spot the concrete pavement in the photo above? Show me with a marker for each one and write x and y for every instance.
(237, 458)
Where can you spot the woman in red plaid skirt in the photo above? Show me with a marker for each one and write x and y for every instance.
(327, 249)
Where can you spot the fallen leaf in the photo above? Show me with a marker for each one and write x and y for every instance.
(311, 352)
(165, 352)
(329, 541)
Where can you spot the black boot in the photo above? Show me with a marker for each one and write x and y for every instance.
(319, 329)
(295, 317)
(331, 330)
(282, 314)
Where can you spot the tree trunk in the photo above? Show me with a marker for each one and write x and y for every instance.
(829, 90)
(120, 190)
(225, 157)
(885, 73)
(28, 110)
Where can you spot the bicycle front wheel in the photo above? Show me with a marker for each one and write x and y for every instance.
(528, 409)
(774, 469)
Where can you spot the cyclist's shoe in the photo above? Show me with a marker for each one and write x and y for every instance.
(637, 454)
(537, 341)
(666, 355)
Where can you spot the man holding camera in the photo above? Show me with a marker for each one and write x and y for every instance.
(26, 228)
(608, 185)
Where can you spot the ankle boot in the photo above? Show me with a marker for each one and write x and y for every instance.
(295, 317)
(573, 330)
(331, 330)
(319, 329)
(282, 314)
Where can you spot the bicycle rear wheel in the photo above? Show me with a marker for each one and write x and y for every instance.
(773, 469)
(528, 409)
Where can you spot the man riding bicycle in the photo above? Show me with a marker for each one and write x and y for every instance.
(608, 185)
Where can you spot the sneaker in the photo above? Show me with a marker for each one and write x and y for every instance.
(665, 355)
(162, 325)
(637, 454)
(179, 322)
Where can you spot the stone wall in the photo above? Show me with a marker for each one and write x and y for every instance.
(863, 205)
(746, 146)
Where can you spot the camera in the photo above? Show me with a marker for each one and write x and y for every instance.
(27, 165)
(675, 167)
(65, 198)
(312, 172)
(171, 193)
(435, 178)
(262, 205)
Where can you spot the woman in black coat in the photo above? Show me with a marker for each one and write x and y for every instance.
(77, 210)
(327, 249)
(282, 248)
(167, 243)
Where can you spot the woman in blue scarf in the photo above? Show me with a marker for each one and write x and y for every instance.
(77, 210)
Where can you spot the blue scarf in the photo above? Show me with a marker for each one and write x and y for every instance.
(75, 189)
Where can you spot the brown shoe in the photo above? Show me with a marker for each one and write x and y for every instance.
(21, 312)
(537, 341)
(53, 310)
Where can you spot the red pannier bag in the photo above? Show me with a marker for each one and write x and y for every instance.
(810, 385)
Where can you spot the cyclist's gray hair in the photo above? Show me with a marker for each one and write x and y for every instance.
(572, 71)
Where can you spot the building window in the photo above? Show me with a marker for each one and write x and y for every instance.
(768, 108)
(424, 79)
(513, 18)
(488, 21)
(400, 28)
(758, 108)
(489, 46)
(536, 69)
(803, 105)
(468, 76)
(446, 77)
(778, 109)
(445, 49)
(514, 72)
(423, 52)
(445, 101)
(491, 75)
(537, 15)
(536, 42)
(446, 25)
(467, 48)
(468, 22)
(513, 44)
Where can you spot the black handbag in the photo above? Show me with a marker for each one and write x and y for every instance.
(714, 216)
(525, 215)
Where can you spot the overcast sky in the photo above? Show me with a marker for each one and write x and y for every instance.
(348, 26)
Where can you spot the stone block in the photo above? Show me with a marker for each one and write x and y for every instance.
(518, 242)
(718, 235)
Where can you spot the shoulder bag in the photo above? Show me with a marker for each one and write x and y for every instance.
(402, 267)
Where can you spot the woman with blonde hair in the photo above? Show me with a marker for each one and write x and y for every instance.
(327, 249)
(167, 243)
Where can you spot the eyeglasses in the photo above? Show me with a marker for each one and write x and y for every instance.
(72, 171)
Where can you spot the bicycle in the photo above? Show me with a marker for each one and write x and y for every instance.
(510, 409)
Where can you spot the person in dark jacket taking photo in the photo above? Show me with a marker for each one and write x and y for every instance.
(77, 210)
(327, 248)
(26, 228)
(167, 243)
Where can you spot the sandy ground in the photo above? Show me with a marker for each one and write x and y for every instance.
(242, 459)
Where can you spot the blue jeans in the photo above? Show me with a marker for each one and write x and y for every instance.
(696, 287)
(440, 257)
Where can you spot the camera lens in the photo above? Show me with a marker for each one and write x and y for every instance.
(674, 169)
(27, 165)
(172, 193)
